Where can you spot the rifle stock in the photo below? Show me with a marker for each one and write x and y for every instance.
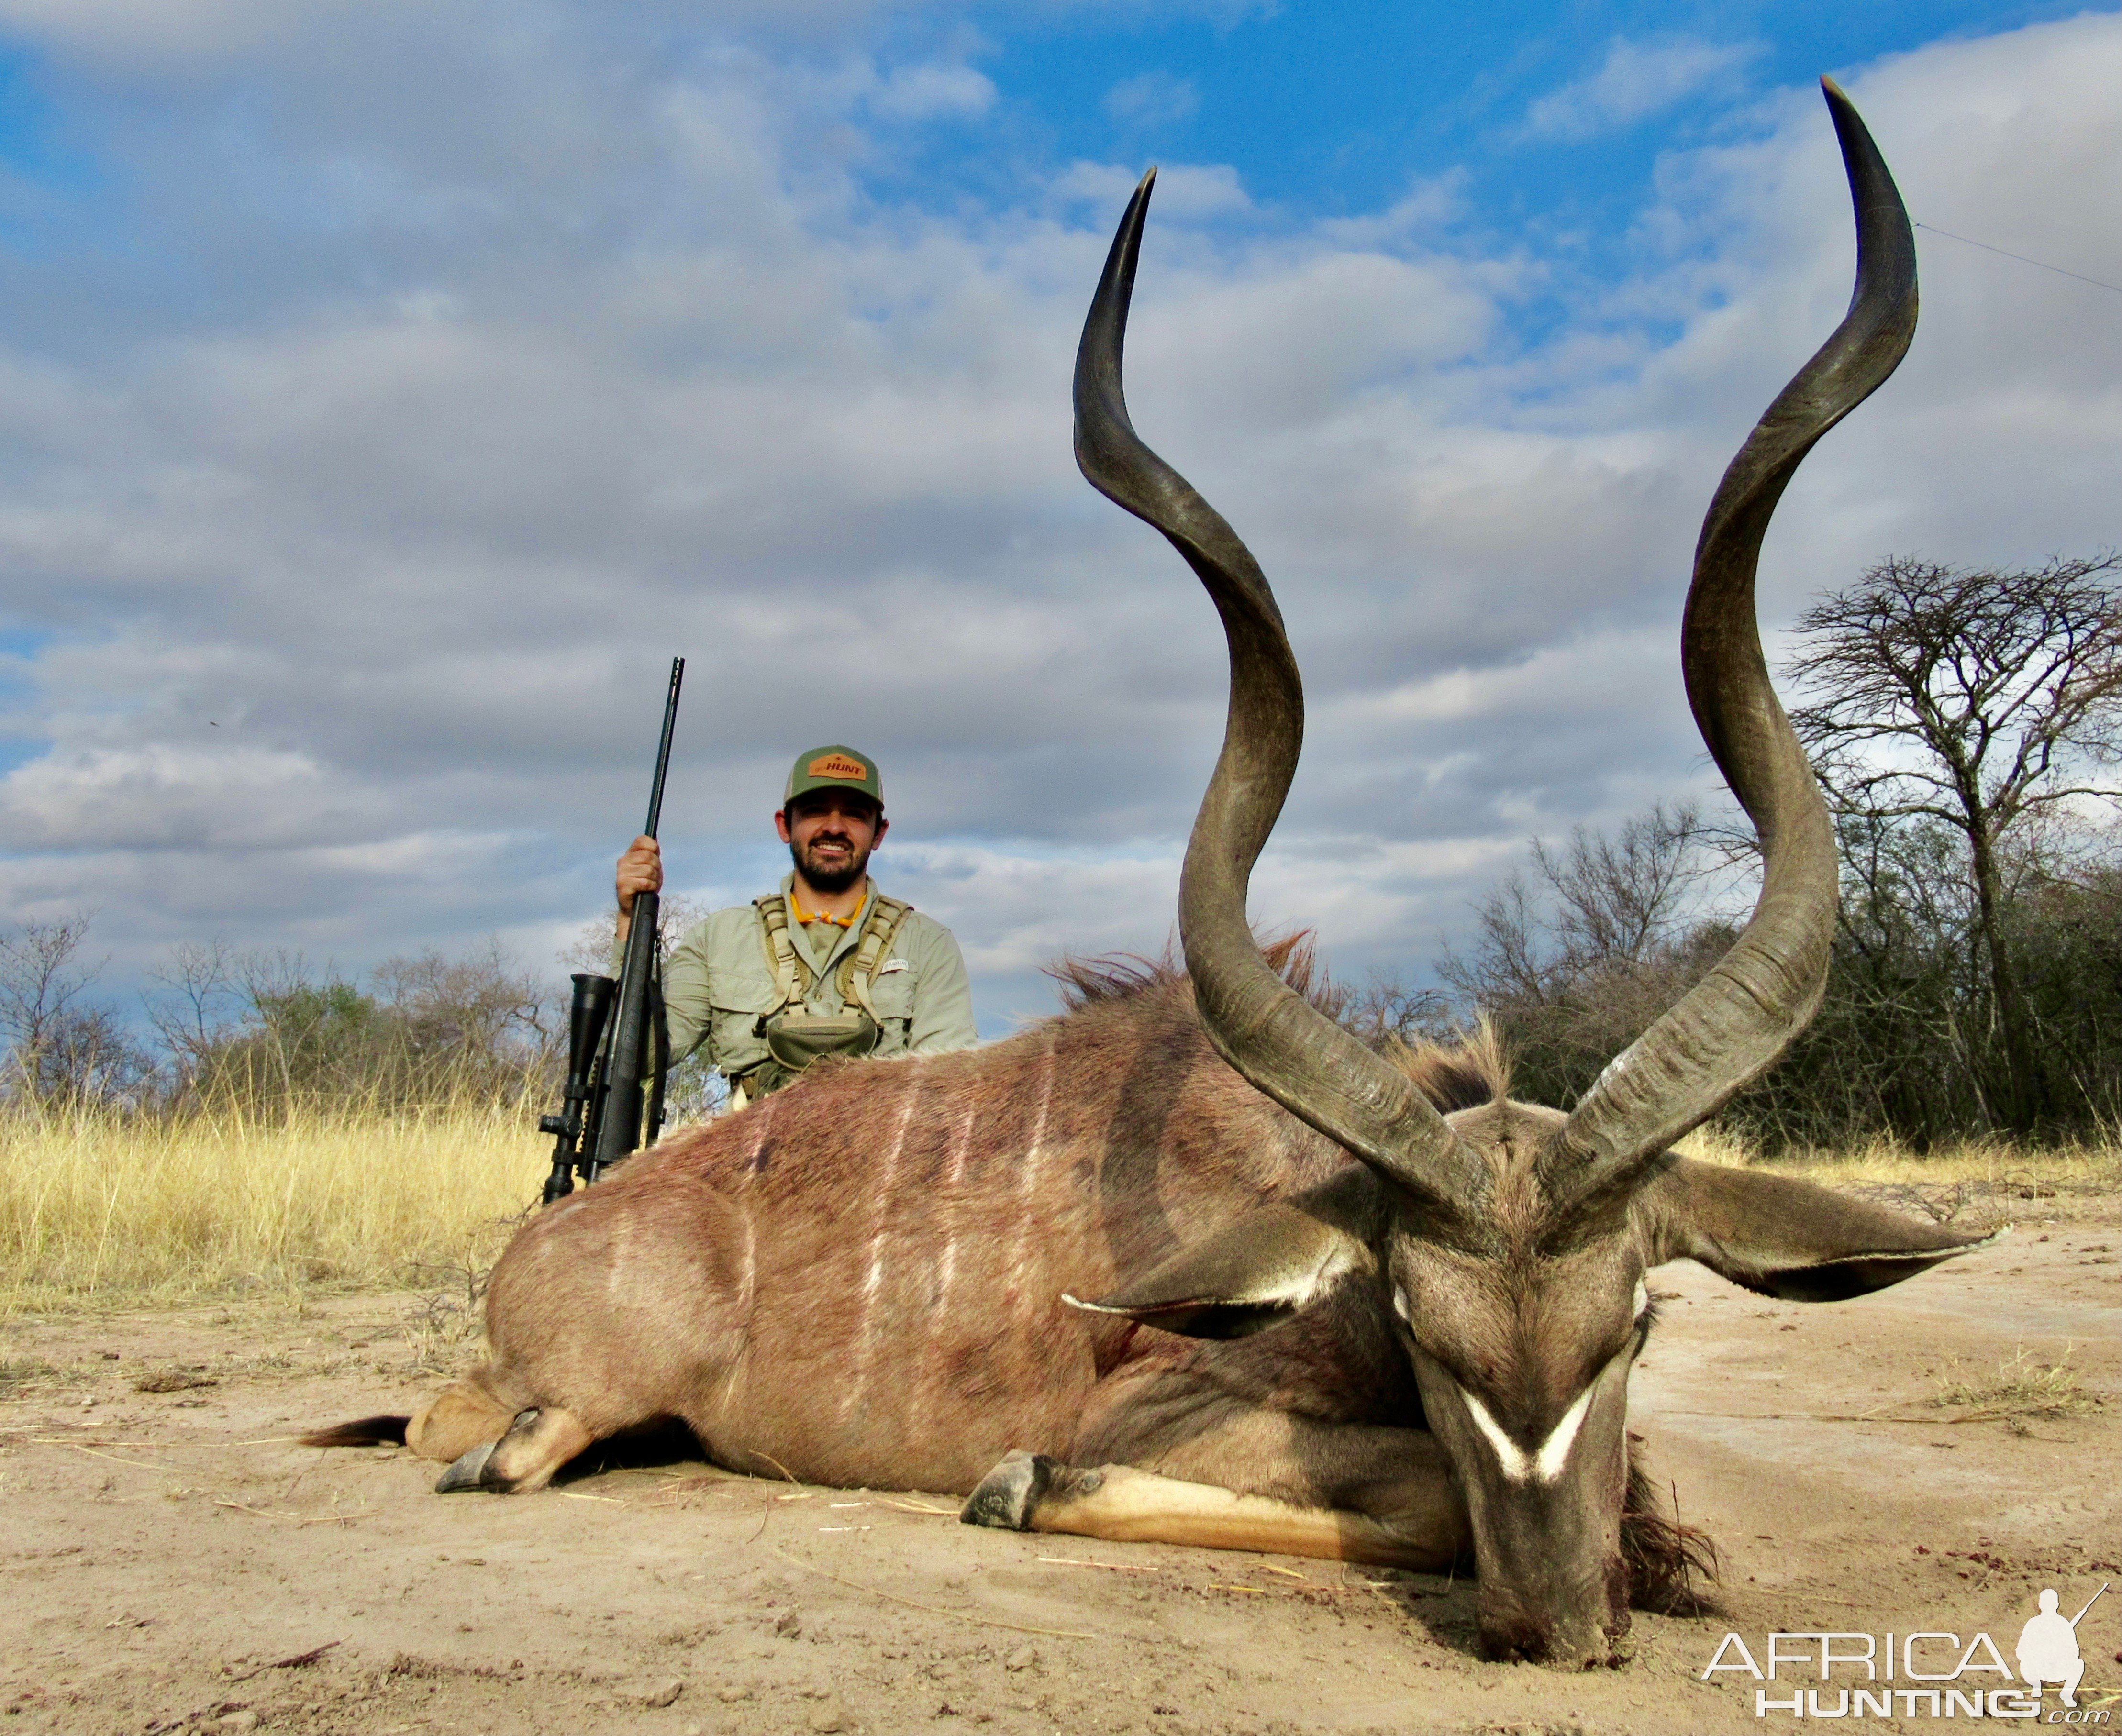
(587, 1016)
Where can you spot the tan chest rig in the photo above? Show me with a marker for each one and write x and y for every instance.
(795, 1037)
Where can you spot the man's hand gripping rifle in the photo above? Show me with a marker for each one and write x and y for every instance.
(602, 1116)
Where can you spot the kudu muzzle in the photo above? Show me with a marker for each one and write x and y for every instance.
(1545, 1507)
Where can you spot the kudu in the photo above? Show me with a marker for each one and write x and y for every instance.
(870, 1278)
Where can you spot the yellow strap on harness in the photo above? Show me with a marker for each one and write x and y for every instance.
(793, 978)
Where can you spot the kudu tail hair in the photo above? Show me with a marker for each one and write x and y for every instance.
(365, 1431)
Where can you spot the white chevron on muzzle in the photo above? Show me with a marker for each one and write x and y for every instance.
(1517, 1465)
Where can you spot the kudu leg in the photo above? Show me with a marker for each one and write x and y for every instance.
(538, 1443)
(1392, 1502)
(1121, 1504)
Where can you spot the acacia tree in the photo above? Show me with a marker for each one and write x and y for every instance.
(1981, 700)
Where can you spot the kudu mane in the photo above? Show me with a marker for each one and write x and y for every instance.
(1463, 1075)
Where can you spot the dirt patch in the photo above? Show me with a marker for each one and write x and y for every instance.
(173, 1560)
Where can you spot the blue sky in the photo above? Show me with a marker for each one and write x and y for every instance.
(389, 390)
(1339, 108)
(1532, 126)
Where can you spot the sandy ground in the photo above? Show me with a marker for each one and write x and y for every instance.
(172, 1559)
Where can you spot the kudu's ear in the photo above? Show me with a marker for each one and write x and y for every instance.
(1263, 1267)
(1787, 1237)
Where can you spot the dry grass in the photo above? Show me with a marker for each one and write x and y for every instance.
(99, 1211)
(1943, 1178)
(2020, 1387)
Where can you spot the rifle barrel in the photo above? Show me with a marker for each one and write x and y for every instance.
(620, 1131)
(663, 750)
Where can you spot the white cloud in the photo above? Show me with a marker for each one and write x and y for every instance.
(1184, 190)
(1152, 99)
(923, 92)
(1634, 81)
(165, 33)
(1424, 209)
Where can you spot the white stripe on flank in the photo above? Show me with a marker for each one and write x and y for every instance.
(740, 1357)
(948, 1270)
(873, 1279)
(1039, 1122)
(947, 1276)
(1516, 1464)
(1014, 1277)
(964, 1145)
(750, 1279)
(763, 1125)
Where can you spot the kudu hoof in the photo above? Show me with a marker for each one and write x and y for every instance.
(1010, 1493)
(467, 1471)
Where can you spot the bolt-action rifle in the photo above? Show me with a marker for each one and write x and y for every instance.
(603, 1117)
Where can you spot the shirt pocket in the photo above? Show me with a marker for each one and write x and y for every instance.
(893, 992)
(737, 1002)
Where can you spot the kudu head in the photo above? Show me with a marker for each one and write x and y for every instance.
(1511, 1242)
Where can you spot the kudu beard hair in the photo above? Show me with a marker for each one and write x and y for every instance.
(1348, 1307)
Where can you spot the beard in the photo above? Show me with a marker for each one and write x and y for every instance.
(829, 875)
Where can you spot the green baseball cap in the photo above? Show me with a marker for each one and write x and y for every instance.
(837, 767)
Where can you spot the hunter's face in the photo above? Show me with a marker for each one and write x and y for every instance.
(830, 834)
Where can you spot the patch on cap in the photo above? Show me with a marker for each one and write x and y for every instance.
(835, 765)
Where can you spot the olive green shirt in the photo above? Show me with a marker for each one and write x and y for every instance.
(718, 984)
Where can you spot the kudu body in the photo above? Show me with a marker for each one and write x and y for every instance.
(871, 1278)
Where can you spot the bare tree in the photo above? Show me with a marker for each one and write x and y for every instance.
(62, 1047)
(41, 977)
(195, 1014)
(1389, 1011)
(1979, 700)
(1609, 903)
(592, 950)
(482, 1004)
(1573, 964)
(1619, 896)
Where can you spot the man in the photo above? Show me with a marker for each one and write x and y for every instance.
(2048, 1648)
(826, 966)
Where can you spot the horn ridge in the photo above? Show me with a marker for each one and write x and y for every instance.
(1268, 1033)
(1734, 1024)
